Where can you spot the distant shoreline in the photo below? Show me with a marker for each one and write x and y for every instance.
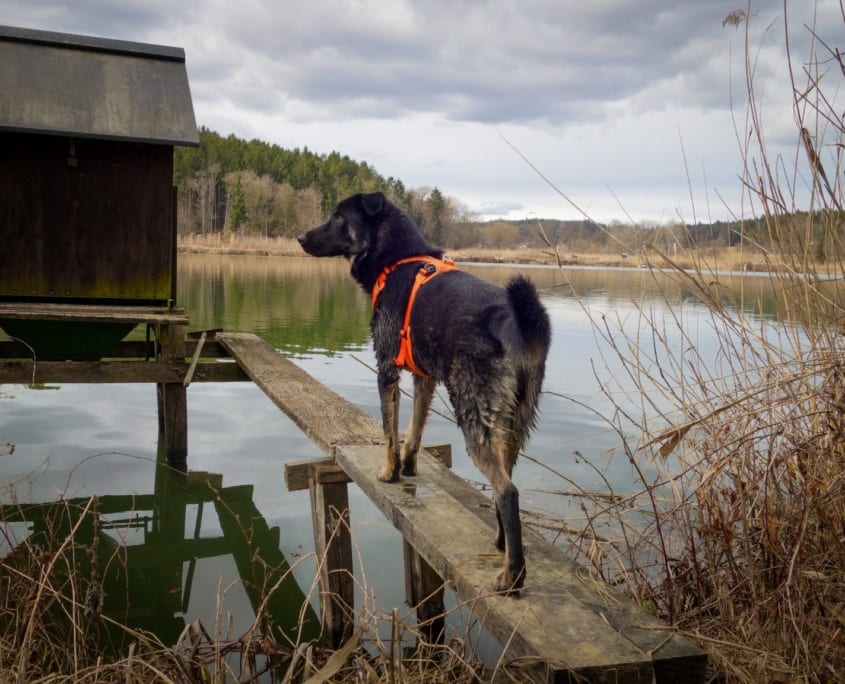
(726, 259)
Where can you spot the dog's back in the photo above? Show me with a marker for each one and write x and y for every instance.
(488, 345)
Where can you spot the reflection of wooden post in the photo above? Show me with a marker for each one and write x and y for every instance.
(169, 506)
(333, 544)
(423, 586)
(264, 571)
(173, 398)
(424, 591)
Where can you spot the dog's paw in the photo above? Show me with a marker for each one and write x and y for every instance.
(509, 581)
(389, 475)
(409, 468)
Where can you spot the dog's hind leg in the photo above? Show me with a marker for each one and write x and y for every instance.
(511, 577)
(495, 461)
(530, 381)
(388, 388)
(423, 393)
(499, 541)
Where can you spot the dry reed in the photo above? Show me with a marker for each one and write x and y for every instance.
(736, 533)
(53, 627)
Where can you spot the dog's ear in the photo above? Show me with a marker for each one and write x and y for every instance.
(373, 203)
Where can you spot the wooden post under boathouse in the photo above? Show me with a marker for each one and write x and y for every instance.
(88, 253)
(88, 206)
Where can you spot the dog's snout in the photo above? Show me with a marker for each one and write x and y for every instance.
(301, 239)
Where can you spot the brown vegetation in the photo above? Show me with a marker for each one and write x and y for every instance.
(53, 629)
(736, 534)
(730, 259)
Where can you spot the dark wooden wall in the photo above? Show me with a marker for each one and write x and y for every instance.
(86, 219)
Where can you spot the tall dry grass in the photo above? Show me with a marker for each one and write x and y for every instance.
(56, 628)
(736, 533)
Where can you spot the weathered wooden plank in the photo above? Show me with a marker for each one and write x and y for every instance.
(546, 622)
(92, 313)
(126, 349)
(323, 415)
(194, 360)
(566, 618)
(298, 473)
(25, 372)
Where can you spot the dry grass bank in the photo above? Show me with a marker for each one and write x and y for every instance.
(725, 259)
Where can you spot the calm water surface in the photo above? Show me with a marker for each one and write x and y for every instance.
(76, 440)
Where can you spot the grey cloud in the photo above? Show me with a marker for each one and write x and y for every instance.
(491, 62)
(499, 61)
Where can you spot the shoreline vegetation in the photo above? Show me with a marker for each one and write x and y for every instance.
(725, 259)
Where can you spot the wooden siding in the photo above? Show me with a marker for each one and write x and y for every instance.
(86, 219)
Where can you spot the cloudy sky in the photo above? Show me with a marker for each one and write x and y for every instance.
(630, 108)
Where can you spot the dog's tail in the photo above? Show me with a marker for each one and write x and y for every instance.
(534, 334)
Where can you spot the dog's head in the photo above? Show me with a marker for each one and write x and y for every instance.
(370, 231)
(349, 230)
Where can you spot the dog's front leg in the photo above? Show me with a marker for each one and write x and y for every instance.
(423, 393)
(388, 388)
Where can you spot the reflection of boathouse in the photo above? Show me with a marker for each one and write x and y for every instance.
(144, 559)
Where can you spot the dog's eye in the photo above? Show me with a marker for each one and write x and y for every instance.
(338, 216)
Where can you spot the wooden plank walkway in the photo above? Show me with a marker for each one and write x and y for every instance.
(566, 619)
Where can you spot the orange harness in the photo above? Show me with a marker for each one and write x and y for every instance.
(431, 266)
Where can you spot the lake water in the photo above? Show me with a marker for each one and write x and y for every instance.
(72, 441)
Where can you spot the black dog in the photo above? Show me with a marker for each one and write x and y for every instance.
(488, 345)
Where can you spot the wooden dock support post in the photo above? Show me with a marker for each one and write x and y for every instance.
(424, 588)
(173, 397)
(333, 545)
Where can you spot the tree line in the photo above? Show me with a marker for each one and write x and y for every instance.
(253, 188)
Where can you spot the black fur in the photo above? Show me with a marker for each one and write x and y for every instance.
(486, 344)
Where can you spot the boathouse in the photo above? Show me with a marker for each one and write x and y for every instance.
(88, 208)
(87, 212)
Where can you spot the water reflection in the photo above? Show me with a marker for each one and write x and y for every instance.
(307, 306)
(312, 310)
(135, 556)
(299, 305)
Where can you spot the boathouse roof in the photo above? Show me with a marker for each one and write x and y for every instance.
(86, 87)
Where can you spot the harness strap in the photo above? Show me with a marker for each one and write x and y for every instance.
(431, 266)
